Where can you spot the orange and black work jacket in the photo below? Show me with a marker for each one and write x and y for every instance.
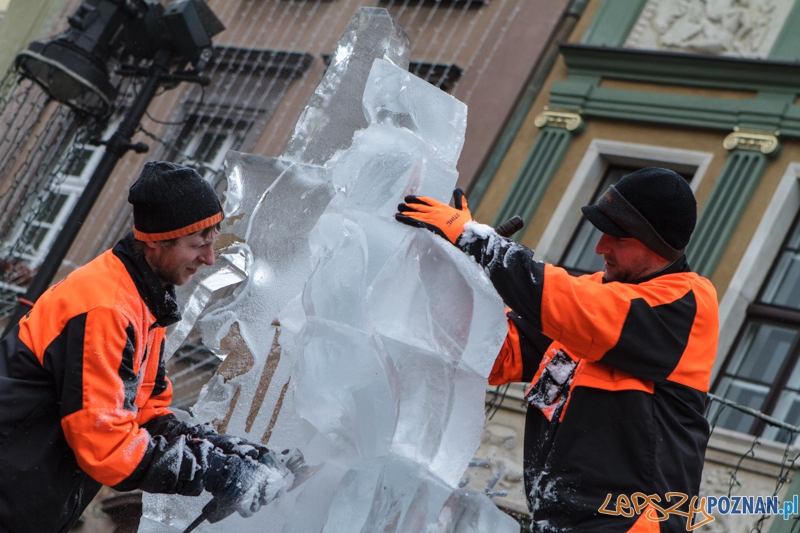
(84, 397)
(619, 374)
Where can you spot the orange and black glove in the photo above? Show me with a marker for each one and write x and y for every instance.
(433, 215)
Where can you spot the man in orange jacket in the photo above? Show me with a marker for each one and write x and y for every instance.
(84, 396)
(619, 361)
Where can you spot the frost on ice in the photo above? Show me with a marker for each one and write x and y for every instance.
(361, 341)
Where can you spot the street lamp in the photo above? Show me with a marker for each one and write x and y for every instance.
(72, 69)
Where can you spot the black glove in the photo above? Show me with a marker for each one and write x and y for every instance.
(435, 216)
(231, 444)
(241, 485)
(170, 427)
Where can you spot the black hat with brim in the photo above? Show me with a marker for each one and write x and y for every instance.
(602, 222)
(653, 205)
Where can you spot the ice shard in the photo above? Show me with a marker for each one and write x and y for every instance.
(208, 285)
(387, 494)
(361, 341)
(248, 177)
(333, 113)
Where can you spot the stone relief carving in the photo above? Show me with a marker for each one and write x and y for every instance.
(735, 28)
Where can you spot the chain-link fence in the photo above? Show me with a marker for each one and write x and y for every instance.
(738, 467)
(39, 141)
(782, 473)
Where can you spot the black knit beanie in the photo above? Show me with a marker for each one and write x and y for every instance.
(170, 201)
(653, 205)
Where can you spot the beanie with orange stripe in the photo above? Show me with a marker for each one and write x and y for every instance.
(170, 201)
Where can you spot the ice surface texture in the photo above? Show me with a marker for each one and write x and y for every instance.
(361, 341)
(333, 113)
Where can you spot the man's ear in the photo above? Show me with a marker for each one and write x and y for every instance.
(151, 244)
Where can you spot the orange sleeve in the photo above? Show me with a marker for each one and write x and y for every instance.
(581, 313)
(157, 405)
(659, 329)
(103, 433)
(508, 365)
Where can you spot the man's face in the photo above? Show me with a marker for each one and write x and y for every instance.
(176, 262)
(627, 259)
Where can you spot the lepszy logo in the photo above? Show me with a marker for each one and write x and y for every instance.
(699, 510)
(657, 510)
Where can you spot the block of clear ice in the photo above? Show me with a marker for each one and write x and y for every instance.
(333, 112)
(361, 341)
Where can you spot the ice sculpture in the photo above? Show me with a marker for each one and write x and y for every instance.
(359, 340)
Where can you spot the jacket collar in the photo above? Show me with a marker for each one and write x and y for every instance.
(160, 299)
(679, 265)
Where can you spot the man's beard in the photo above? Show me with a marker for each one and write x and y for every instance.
(621, 277)
(168, 273)
(632, 274)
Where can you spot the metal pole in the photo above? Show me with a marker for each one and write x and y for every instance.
(116, 147)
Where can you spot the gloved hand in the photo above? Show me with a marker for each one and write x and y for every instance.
(231, 444)
(241, 485)
(440, 218)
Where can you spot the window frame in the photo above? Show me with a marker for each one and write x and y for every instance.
(741, 304)
(69, 185)
(747, 281)
(591, 170)
(197, 126)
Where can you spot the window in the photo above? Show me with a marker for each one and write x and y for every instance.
(232, 112)
(207, 140)
(33, 237)
(761, 370)
(440, 75)
(464, 3)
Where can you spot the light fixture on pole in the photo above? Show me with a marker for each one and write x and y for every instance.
(72, 69)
